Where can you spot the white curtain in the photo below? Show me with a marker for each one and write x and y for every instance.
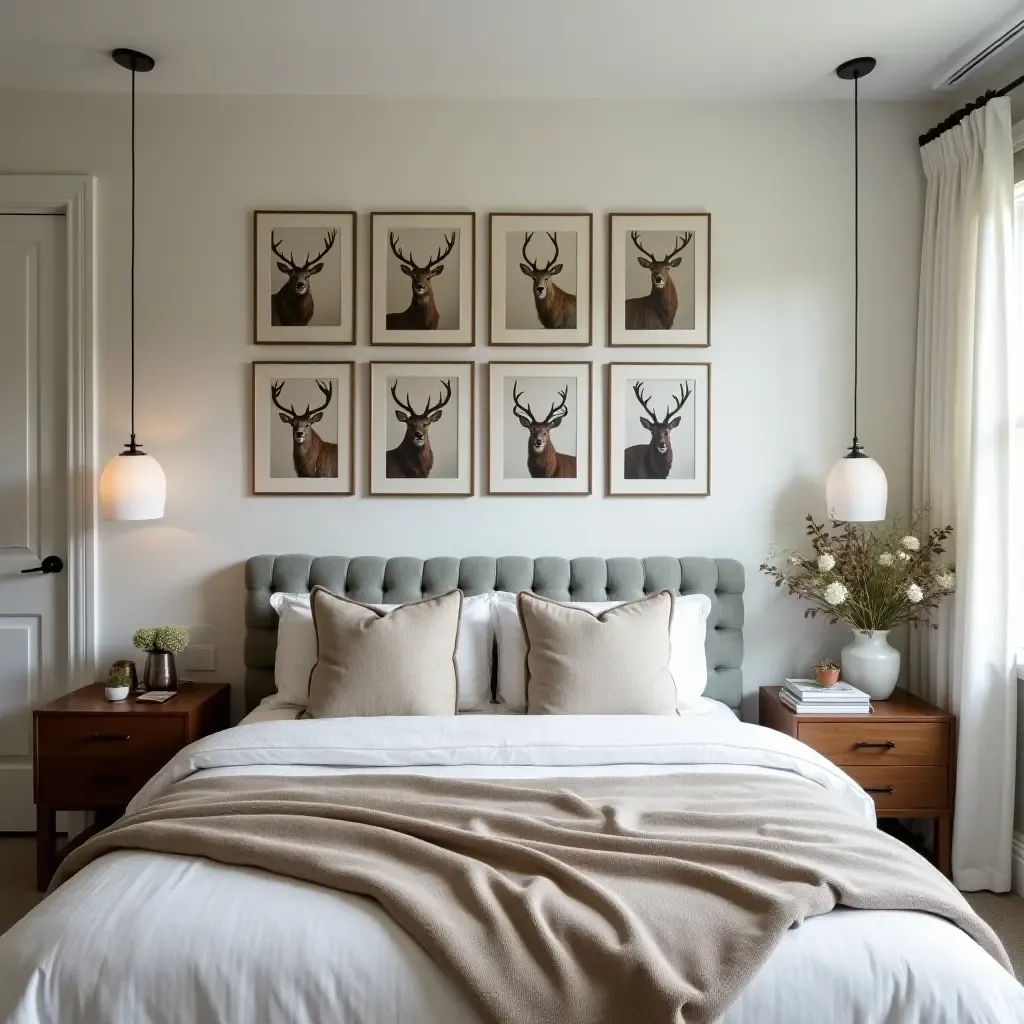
(964, 422)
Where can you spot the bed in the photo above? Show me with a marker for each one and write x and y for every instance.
(150, 938)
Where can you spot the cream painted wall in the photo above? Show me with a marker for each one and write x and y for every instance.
(775, 178)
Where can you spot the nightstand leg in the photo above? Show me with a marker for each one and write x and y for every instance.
(46, 845)
(944, 844)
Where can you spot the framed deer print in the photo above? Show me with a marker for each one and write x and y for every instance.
(302, 428)
(422, 276)
(541, 282)
(659, 292)
(659, 429)
(540, 427)
(421, 428)
(304, 277)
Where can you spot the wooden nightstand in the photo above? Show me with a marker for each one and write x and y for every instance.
(903, 754)
(91, 754)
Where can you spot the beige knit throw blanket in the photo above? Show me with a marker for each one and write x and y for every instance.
(598, 900)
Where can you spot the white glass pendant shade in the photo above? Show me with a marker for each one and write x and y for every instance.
(133, 486)
(856, 490)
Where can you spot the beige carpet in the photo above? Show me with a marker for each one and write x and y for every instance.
(1005, 914)
(18, 896)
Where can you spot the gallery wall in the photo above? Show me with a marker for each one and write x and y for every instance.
(776, 179)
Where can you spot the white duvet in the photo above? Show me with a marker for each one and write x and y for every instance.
(141, 938)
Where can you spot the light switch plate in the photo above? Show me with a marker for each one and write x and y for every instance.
(199, 658)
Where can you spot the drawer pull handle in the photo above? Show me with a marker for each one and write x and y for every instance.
(885, 745)
(878, 789)
(107, 736)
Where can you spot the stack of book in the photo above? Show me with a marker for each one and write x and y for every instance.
(806, 697)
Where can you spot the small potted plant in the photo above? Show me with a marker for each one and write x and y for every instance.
(826, 673)
(161, 644)
(119, 682)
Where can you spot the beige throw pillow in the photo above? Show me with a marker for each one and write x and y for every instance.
(369, 662)
(615, 663)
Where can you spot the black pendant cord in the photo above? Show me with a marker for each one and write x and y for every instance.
(133, 61)
(856, 257)
(958, 115)
(133, 446)
(854, 70)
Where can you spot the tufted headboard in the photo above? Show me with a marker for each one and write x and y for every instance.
(397, 580)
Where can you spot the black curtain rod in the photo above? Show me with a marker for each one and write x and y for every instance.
(957, 116)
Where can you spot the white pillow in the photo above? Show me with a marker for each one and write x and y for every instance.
(296, 650)
(688, 662)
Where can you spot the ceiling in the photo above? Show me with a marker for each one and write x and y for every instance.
(663, 49)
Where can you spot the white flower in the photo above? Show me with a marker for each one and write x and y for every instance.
(835, 593)
(795, 560)
(946, 580)
(911, 543)
(885, 558)
(826, 562)
(914, 593)
(903, 556)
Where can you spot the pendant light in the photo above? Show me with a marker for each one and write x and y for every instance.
(856, 490)
(133, 485)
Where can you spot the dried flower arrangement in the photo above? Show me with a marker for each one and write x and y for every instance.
(872, 579)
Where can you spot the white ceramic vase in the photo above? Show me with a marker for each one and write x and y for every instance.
(871, 664)
(116, 693)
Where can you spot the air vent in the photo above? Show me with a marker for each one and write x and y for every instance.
(989, 51)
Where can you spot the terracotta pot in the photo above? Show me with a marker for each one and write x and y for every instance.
(826, 676)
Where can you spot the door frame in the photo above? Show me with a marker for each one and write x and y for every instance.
(74, 197)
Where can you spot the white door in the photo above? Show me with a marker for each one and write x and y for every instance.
(33, 494)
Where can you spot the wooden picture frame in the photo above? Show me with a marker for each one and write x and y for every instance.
(423, 278)
(309, 299)
(541, 278)
(417, 448)
(522, 457)
(293, 465)
(644, 414)
(659, 288)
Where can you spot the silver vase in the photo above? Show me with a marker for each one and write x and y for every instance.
(160, 672)
(871, 664)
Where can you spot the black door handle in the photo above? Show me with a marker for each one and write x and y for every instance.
(51, 563)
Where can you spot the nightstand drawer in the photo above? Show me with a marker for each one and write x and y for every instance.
(74, 784)
(878, 743)
(895, 788)
(110, 736)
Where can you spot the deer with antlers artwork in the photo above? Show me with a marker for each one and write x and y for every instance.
(541, 458)
(292, 304)
(656, 311)
(414, 458)
(653, 461)
(311, 454)
(421, 314)
(556, 308)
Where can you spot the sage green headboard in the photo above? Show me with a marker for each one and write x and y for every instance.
(396, 580)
